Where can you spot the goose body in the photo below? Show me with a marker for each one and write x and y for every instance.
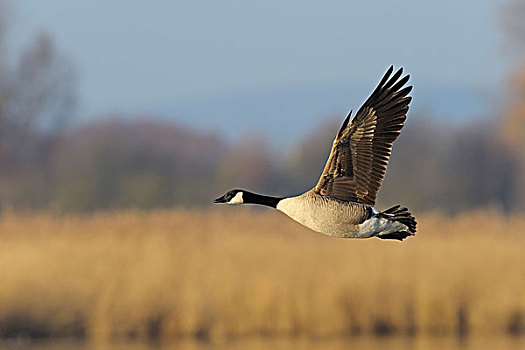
(341, 203)
(336, 218)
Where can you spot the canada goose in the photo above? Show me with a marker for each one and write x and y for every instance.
(341, 204)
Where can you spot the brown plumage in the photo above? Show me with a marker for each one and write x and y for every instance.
(357, 163)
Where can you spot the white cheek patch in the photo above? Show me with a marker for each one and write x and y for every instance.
(237, 199)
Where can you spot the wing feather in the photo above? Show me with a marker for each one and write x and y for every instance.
(359, 156)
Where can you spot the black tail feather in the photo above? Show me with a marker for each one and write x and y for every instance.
(399, 235)
(402, 215)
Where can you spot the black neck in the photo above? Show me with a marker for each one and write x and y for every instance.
(253, 198)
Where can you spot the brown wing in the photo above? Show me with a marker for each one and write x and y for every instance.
(357, 163)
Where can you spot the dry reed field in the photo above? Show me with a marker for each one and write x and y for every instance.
(240, 273)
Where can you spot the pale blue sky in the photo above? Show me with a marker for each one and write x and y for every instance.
(156, 55)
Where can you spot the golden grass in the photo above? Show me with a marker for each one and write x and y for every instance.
(236, 272)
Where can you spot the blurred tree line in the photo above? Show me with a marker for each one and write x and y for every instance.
(140, 162)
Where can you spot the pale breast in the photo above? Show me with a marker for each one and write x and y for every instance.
(325, 215)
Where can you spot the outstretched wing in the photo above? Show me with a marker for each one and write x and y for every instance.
(357, 163)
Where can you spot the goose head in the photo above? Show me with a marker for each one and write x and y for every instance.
(231, 197)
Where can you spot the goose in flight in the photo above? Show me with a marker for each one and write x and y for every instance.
(341, 203)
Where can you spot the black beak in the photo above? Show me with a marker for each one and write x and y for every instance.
(220, 200)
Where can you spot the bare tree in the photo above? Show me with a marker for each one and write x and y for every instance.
(512, 132)
(37, 99)
(37, 102)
